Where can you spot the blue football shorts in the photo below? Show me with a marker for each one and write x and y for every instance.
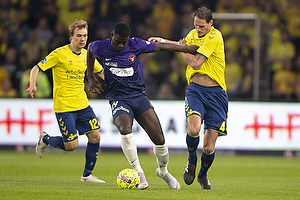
(133, 107)
(83, 121)
(210, 103)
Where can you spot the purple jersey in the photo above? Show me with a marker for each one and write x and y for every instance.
(124, 76)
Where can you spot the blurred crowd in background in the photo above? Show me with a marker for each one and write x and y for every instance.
(30, 29)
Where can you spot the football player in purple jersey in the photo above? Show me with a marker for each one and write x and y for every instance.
(124, 87)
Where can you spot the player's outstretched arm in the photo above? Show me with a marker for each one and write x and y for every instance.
(192, 49)
(159, 39)
(32, 79)
(92, 80)
(168, 45)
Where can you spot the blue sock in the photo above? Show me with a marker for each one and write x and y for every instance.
(206, 162)
(54, 141)
(192, 144)
(91, 155)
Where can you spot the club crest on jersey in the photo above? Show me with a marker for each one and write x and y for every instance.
(132, 58)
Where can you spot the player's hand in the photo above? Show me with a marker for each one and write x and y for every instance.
(182, 42)
(31, 91)
(192, 48)
(94, 86)
(154, 39)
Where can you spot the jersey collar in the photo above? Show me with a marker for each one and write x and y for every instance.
(212, 27)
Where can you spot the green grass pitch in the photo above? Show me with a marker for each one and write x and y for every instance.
(57, 176)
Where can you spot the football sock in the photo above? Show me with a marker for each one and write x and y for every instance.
(54, 141)
(206, 162)
(192, 144)
(162, 157)
(91, 155)
(130, 150)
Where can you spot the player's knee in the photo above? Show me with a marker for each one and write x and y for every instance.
(71, 146)
(94, 137)
(159, 141)
(208, 150)
(194, 132)
(124, 130)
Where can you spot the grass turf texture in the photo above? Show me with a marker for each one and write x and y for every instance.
(57, 176)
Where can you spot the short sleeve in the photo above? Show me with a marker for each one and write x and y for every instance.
(98, 67)
(145, 46)
(49, 61)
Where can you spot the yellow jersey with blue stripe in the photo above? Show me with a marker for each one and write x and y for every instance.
(68, 71)
(211, 46)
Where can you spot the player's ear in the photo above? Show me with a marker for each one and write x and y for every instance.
(112, 34)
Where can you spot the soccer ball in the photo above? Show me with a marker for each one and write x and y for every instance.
(128, 179)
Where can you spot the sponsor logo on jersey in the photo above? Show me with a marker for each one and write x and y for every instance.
(75, 74)
(122, 72)
(111, 64)
(44, 60)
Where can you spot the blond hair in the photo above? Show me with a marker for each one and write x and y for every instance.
(80, 24)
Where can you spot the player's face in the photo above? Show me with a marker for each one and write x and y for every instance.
(201, 26)
(118, 42)
(79, 38)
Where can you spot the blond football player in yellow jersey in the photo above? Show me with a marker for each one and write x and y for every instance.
(206, 99)
(72, 110)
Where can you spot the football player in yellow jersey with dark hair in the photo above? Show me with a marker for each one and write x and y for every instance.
(70, 102)
(206, 98)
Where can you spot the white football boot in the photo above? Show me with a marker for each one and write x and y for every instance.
(41, 145)
(91, 178)
(143, 182)
(170, 180)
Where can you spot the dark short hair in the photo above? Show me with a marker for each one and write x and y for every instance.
(122, 29)
(203, 13)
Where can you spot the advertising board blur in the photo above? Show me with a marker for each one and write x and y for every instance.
(251, 125)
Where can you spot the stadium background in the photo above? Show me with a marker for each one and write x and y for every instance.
(30, 29)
